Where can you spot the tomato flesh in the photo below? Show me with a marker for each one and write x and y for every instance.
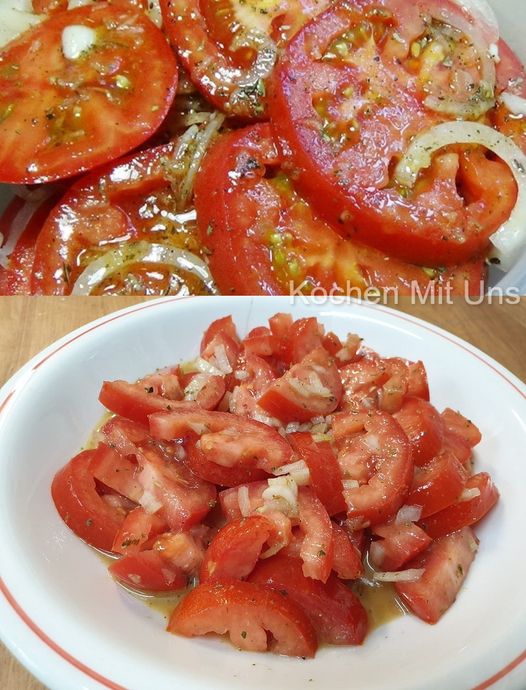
(437, 484)
(148, 571)
(399, 544)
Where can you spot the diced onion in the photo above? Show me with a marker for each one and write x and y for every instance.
(199, 364)
(408, 514)
(243, 500)
(298, 471)
(410, 575)
(221, 359)
(515, 104)
(350, 484)
(115, 259)
(314, 386)
(468, 494)
(510, 238)
(195, 386)
(372, 442)
(77, 39)
(284, 490)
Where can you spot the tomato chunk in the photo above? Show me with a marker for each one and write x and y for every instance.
(457, 424)
(446, 564)
(137, 528)
(424, 428)
(211, 471)
(437, 484)
(399, 543)
(116, 471)
(148, 571)
(248, 612)
(347, 557)
(317, 548)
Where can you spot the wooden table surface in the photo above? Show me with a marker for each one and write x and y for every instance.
(30, 323)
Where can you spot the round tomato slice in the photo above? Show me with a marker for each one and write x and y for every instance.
(129, 204)
(148, 571)
(351, 91)
(478, 498)
(62, 115)
(249, 214)
(334, 611)
(248, 612)
(83, 510)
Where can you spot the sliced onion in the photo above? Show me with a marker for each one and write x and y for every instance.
(116, 259)
(195, 386)
(243, 500)
(199, 364)
(298, 471)
(410, 575)
(282, 491)
(515, 104)
(350, 484)
(469, 494)
(510, 239)
(221, 359)
(37, 194)
(408, 514)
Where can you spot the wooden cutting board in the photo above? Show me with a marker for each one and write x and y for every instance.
(30, 323)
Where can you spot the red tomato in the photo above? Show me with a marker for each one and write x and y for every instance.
(124, 435)
(183, 549)
(324, 470)
(311, 388)
(133, 401)
(256, 617)
(137, 528)
(424, 428)
(360, 381)
(317, 548)
(165, 385)
(63, 116)
(379, 460)
(209, 392)
(437, 484)
(399, 544)
(226, 439)
(418, 386)
(347, 557)
(224, 325)
(80, 506)
(236, 548)
(446, 564)
(457, 424)
(259, 374)
(304, 336)
(259, 342)
(148, 571)
(345, 108)
(334, 611)
(463, 513)
(116, 471)
(127, 202)
(249, 214)
(229, 499)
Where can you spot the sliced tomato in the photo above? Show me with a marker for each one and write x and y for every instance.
(124, 435)
(347, 556)
(206, 390)
(418, 386)
(135, 402)
(75, 496)
(324, 470)
(457, 424)
(334, 611)
(127, 204)
(183, 549)
(236, 548)
(424, 428)
(305, 336)
(249, 214)
(311, 388)
(463, 513)
(116, 471)
(348, 96)
(229, 499)
(248, 612)
(148, 571)
(437, 484)
(317, 547)
(379, 460)
(225, 438)
(137, 528)
(258, 375)
(360, 381)
(224, 325)
(62, 116)
(164, 384)
(446, 564)
(259, 342)
(399, 544)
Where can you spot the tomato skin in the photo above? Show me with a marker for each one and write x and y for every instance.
(132, 401)
(446, 564)
(455, 423)
(47, 149)
(317, 547)
(148, 571)
(464, 513)
(283, 400)
(437, 484)
(399, 544)
(246, 611)
(334, 611)
(347, 557)
(81, 507)
(236, 548)
(325, 473)
(116, 471)
(424, 428)
(218, 474)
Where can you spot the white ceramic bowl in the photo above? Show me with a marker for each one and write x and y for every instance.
(512, 21)
(66, 620)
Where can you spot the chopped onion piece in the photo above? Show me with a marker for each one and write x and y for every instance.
(284, 490)
(241, 374)
(198, 428)
(408, 514)
(243, 500)
(515, 104)
(199, 364)
(510, 238)
(468, 494)
(133, 252)
(313, 387)
(221, 360)
(350, 484)
(298, 471)
(410, 575)
(195, 386)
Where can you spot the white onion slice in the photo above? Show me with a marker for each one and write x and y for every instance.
(199, 364)
(510, 238)
(115, 259)
(468, 495)
(243, 500)
(408, 514)
(298, 471)
(515, 104)
(195, 386)
(410, 575)
(350, 484)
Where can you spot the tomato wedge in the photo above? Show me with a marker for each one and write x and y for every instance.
(424, 428)
(249, 214)
(446, 564)
(464, 511)
(348, 97)
(148, 571)
(248, 612)
(317, 547)
(437, 484)
(116, 471)
(347, 557)
(61, 116)
(334, 611)
(457, 424)
(136, 530)
(80, 506)
(399, 544)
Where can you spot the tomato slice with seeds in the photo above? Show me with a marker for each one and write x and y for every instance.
(348, 97)
(128, 204)
(249, 214)
(81, 507)
(62, 116)
(248, 612)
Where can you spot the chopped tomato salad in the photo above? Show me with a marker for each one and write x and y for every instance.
(316, 468)
(259, 147)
